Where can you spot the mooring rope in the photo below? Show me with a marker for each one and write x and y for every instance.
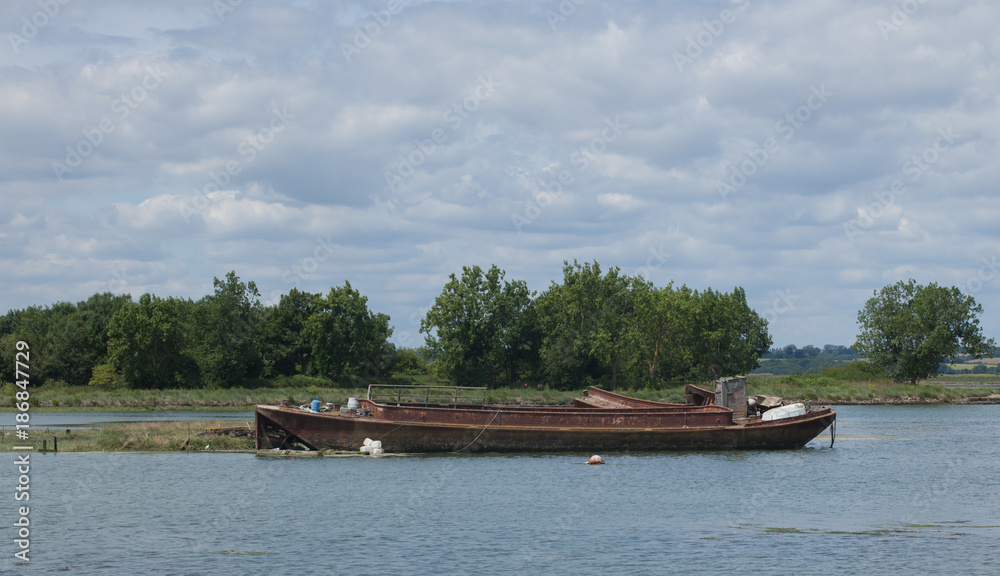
(400, 426)
(480, 432)
(833, 432)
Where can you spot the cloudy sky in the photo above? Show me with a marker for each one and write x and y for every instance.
(810, 152)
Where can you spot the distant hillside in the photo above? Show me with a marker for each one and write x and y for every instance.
(806, 360)
(812, 360)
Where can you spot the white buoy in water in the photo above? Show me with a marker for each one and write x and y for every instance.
(595, 459)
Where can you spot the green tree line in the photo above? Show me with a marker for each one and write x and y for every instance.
(603, 328)
(223, 340)
(595, 327)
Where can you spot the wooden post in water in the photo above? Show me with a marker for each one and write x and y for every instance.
(44, 445)
(55, 444)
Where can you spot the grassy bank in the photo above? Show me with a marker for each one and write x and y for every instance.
(237, 398)
(828, 388)
(132, 437)
(818, 389)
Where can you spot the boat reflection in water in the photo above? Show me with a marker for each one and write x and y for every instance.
(421, 419)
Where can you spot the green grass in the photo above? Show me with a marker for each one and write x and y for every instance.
(824, 389)
(132, 437)
(975, 379)
(79, 397)
(850, 383)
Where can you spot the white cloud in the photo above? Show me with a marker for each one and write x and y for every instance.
(619, 201)
(652, 190)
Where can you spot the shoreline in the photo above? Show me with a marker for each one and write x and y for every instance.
(905, 401)
(967, 399)
(806, 390)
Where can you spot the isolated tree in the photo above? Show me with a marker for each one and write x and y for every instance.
(908, 329)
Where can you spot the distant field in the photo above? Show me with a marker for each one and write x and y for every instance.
(970, 379)
(787, 366)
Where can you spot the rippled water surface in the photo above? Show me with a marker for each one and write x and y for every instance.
(904, 490)
(40, 419)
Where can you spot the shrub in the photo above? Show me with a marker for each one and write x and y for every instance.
(105, 376)
(857, 371)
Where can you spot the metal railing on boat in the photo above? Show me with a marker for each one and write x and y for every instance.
(428, 395)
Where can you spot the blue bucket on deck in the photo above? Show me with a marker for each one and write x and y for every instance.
(315, 405)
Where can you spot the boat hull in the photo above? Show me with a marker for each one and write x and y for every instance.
(335, 431)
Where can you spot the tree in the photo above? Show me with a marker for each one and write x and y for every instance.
(588, 324)
(908, 329)
(229, 321)
(481, 328)
(58, 340)
(664, 325)
(286, 348)
(810, 351)
(729, 336)
(80, 339)
(408, 361)
(345, 337)
(147, 345)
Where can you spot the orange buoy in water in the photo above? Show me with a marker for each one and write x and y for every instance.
(595, 459)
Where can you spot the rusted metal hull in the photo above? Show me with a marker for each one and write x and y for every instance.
(507, 429)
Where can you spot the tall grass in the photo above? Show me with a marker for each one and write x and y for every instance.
(852, 382)
(78, 397)
(824, 389)
(134, 437)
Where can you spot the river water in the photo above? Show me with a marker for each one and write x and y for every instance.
(88, 419)
(905, 490)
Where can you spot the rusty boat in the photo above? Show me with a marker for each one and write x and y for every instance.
(417, 419)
